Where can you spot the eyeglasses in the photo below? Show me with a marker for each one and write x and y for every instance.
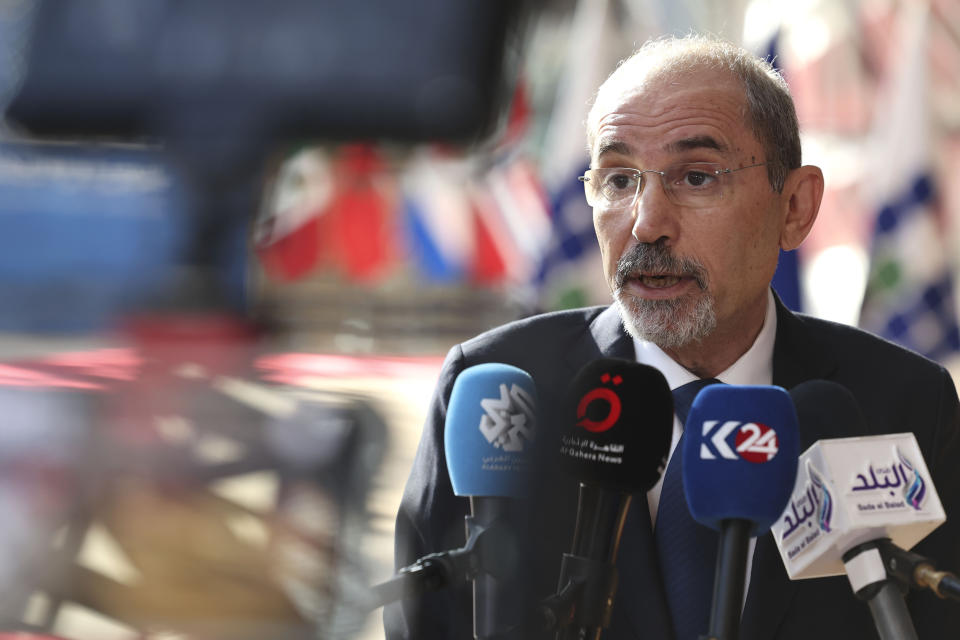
(690, 184)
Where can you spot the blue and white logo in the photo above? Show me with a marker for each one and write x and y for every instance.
(508, 421)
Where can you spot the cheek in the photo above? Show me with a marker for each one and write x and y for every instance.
(613, 228)
(728, 248)
(610, 233)
(750, 256)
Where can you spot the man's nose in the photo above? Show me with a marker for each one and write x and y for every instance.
(655, 216)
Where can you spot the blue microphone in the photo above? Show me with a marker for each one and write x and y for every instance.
(740, 451)
(489, 443)
(489, 439)
(490, 432)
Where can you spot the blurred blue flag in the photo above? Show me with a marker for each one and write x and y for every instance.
(570, 273)
(910, 291)
(573, 241)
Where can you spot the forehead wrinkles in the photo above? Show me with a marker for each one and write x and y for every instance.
(638, 122)
(666, 113)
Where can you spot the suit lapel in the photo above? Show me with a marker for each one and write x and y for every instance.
(797, 356)
(604, 338)
(640, 609)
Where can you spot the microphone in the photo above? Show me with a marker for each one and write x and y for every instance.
(489, 439)
(489, 443)
(616, 446)
(826, 410)
(739, 464)
(857, 503)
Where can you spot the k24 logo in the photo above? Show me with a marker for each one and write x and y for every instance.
(754, 442)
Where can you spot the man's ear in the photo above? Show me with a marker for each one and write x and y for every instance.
(802, 192)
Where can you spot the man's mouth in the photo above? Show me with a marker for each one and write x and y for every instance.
(658, 281)
(655, 268)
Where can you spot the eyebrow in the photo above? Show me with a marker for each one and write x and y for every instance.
(695, 142)
(612, 146)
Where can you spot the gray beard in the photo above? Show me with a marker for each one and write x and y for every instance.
(669, 324)
(666, 323)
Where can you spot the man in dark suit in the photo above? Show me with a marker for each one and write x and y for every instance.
(696, 183)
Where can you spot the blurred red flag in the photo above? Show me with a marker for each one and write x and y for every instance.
(489, 265)
(361, 213)
(289, 234)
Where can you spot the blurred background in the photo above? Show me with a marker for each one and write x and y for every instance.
(237, 239)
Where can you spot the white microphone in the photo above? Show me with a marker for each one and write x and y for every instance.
(857, 503)
(855, 490)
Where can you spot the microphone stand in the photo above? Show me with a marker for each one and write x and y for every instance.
(489, 559)
(914, 570)
(438, 570)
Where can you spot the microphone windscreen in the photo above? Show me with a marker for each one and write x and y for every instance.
(826, 410)
(490, 431)
(620, 427)
(740, 455)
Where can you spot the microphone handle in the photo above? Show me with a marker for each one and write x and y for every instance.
(597, 510)
(601, 514)
(501, 596)
(730, 575)
(868, 576)
(890, 613)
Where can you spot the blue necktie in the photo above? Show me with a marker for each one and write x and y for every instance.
(687, 550)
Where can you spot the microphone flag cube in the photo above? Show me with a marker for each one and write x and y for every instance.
(853, 490)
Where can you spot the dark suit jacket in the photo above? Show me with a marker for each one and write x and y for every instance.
(897, 390)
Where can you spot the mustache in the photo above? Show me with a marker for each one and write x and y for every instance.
(657, 258)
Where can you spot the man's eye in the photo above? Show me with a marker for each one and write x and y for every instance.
(696, 178)
(620, 181)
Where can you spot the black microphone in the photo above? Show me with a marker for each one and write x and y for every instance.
(856, 502)
(826, 410)
(616, 446)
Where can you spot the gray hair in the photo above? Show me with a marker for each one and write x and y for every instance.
(770, 111)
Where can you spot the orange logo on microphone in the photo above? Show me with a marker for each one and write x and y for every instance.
(602, 394)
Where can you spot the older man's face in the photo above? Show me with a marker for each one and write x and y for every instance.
(687, 273)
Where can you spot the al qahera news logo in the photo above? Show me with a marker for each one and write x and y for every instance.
(602, 393)
(586, 447)
(892, 486)
(508, 422)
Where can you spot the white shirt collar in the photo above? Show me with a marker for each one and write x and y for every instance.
(753, 367)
